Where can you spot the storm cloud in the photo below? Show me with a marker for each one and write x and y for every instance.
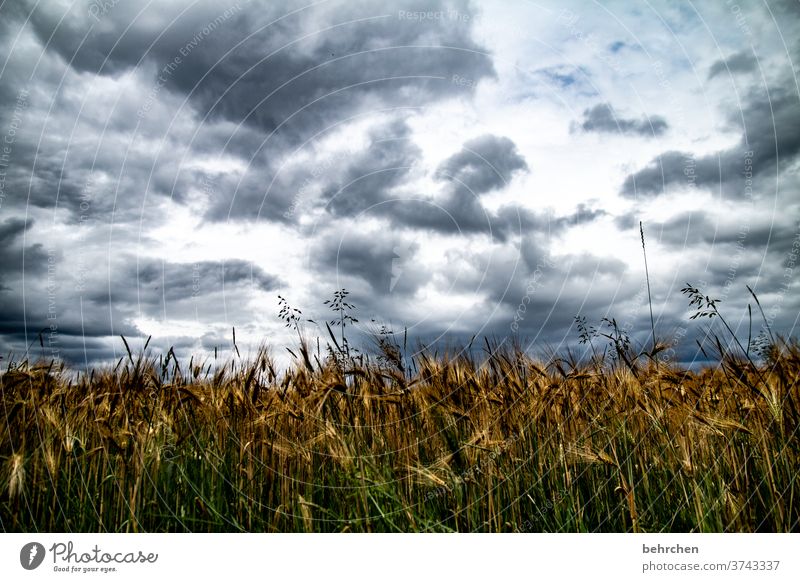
(769, 143)
(166, 170)
(484, 163)
(603, 118)
(741, 62)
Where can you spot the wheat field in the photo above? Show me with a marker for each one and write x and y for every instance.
(433, 442)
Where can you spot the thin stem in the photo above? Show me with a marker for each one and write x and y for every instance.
(647, 277)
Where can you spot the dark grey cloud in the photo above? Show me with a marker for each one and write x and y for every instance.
(770, 142)
(249, 197)
(603, 118)
(385, 260)
(48, 320)
(484, 163)
(722, 254)
(12, 228)
(246, 51)
(457, 212)
(16, 258)
(765, 236)
(79, 319)
(63, 159)
(372, 181)
(151, 283)
(453, 212)
(287, 71)
(536, 294)
(384, 273)
(342, 182)
(371, 174)
(741, 62)
(786, 8)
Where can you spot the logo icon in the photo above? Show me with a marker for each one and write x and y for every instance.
(400, 254)
(31, 555)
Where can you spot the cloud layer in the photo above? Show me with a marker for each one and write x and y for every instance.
(461, 168)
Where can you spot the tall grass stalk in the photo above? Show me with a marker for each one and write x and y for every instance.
(647, 278)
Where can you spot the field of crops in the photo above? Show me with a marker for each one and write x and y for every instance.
(391, 442)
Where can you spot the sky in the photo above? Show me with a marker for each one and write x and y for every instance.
(462, 168)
